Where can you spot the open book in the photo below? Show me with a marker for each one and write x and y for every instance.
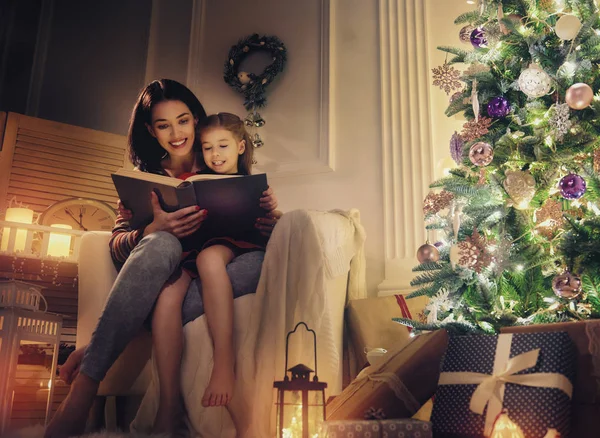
(232, 201)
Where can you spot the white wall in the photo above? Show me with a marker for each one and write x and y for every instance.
(292, 129)
(441, 31)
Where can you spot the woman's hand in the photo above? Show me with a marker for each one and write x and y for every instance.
(123, 212)
(268, 200)
(70, 369)
(266, 224)
(180, 223)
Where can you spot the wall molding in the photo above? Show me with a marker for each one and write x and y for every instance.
(195, 48)
(406, 143)
(324, 161)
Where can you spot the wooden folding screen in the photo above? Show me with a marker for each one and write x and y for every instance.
(42, 162)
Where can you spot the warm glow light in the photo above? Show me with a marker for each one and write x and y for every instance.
(295, 429)
(445, 165)
(505, 428)
(21, 215)
(59, 244)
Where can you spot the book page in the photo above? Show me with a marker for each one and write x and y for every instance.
(152, 177)
(203, 177)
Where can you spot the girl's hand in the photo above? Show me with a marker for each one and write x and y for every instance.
(266, 224)
(268, 200)
(123, 212)
(180, 223)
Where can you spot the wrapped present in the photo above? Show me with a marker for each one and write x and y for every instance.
(403, 428)
(585, 409)
(586, 337)
(370, 323)
(399, 385)
(528, 375)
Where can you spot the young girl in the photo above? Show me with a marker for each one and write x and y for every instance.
(171, 125)
(226, 150)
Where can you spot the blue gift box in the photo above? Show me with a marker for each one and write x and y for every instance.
(398, 428)
(528, 375)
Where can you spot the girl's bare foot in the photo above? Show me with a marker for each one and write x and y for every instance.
(71, 416)
(220, 387)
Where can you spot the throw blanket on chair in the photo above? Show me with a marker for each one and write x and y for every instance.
(300, 258)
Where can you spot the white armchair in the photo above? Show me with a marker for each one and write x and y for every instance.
(337, 233)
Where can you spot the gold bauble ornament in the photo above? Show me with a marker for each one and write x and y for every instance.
(520, 186)
(428, 253)
(567, 27)
(566, 285)
(579, 96)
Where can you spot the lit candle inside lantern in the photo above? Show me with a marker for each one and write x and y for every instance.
(21, 215)
(505, 428)
(59, 244)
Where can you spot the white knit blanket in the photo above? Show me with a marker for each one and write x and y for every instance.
(300, 258)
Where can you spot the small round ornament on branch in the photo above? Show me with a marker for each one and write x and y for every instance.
(478, 38)
(579, 96)
(534, 82)
(566, 285)
(428, 253)
(572, 186)
(481, 154)
(567, 27)
(498, 107)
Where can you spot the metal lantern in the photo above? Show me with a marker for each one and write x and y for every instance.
(300, 400)
(29, 342)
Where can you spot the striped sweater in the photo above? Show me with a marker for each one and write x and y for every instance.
(123, 240)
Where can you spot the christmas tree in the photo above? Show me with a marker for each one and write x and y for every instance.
(516, 225)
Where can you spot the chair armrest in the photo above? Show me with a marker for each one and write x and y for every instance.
(97, 274)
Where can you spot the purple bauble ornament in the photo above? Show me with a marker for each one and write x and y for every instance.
(478, 38)
(498, 107)
(572, 186)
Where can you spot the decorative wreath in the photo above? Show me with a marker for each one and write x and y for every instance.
(253, 86)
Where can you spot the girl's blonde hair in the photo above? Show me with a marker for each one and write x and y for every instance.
(235, 125)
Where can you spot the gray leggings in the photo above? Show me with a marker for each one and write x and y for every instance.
(136, 289)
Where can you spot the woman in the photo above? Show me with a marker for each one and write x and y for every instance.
(162, 142)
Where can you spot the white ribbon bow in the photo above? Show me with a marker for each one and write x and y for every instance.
(490, 389)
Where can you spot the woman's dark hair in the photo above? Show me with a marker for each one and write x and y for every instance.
(233, 124)
(144, 150)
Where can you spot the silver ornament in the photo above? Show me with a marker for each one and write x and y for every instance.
(257, 141)
(534, 81)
